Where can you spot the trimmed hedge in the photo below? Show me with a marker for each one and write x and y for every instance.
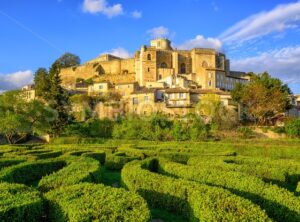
(78, 169)
(90, 202)
(6, 162)
(28, 172)
(100, 156)
(20, 203)
(193, 200)
(114, 162)
(280, 204)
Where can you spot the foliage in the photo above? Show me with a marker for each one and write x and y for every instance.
(245, 132)
(42, 83)
(95, 202)
(58, 100)
(78, 169)
(293, 128)
(20, 203)
(20, 117)
(68, 60)
(264, 97)
(193, 200)
(91, 128)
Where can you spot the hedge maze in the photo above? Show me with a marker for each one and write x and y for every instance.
(130, 182)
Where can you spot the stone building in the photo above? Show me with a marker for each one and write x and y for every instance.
(206, 68)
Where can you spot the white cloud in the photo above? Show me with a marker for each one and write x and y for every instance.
(102, 6)
(136, 14)
(279, 19)
(282, 63)
(159, 32)
(120, 52)
(201, 42)
(15, 80)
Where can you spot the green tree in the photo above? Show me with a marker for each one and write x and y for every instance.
(68, 60)
(42, 83)
(19, 118)
(58, 100)
(264, 97)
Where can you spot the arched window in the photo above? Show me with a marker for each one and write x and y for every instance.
(164, 65)
(149, 57)
(204, 64)
(182, 68)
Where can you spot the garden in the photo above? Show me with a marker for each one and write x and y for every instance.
(136, 180)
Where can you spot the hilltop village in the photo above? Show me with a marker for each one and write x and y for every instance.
(157, 79)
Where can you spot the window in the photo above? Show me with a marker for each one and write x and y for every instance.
(149, 57)
(148, 69)
(164, 65)
(209, 83)
(181, 95)
(159, 77)
(182, 68)
(204, 64)
(146, 98)
(135, 101)
(100, 87)
(210, 75)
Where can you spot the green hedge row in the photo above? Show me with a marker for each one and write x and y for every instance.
(117, 162)
(91, 202)
(78, 169)
(6, 162)
(28, 172)
(100, 156)
(280, 204)
(20, 203)
(285, 173)
(193, 200)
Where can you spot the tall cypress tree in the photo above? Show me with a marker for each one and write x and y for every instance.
(42, 83)
(58, 100)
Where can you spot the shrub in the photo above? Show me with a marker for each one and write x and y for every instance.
(5, 162)
(28, 172)
(78, 169)
(193, 200)
(87, 202)
(115, 162)
(100, 156)
(20, 203)
(293, 128)
(245, 132)
(280, 204)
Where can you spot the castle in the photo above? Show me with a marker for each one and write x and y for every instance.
(206, 68)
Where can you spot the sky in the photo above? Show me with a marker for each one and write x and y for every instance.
(256, 35)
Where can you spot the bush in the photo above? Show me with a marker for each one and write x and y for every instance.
(78, 169)
(20, 203)
(279, 204)
(193, 200)
(293, 128)
(116, 162)
(29, 172)
(100, 156)
(87, 202)
(6, 162)
(245, 132)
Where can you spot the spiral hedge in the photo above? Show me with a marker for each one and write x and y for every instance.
(91, 202)
(78, 169)
(193, 200)
(280, 204)
(20, 203)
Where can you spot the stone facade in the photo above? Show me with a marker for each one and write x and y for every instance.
(207, 68)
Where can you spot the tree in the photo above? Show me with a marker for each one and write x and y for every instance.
(68, 60)
(19, 118)
(42, 83)
(264, 97)
(58, 100)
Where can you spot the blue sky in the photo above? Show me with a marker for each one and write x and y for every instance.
(255, 35)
